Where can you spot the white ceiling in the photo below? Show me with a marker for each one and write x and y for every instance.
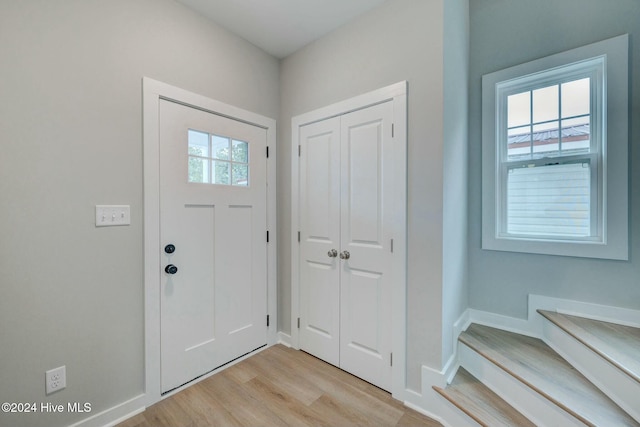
(280, 27)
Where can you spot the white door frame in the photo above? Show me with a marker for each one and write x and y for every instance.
(398, 94)
(153, 92)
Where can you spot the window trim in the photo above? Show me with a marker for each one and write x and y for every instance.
(611, 241)
(594, 69)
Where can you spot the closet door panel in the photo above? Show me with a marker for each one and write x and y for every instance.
(320, 239)
(365, 327)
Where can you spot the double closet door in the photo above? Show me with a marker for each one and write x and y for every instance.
(346, 247)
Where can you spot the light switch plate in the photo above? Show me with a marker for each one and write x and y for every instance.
(111, 215)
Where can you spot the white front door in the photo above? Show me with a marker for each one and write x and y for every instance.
(213, 241)
(346, 204)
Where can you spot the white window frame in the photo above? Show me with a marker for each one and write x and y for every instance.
(594, 69)
(606, 62)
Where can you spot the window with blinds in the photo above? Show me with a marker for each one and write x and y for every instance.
(550, 148)
(554, 154)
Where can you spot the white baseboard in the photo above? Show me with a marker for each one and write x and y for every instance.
(605, 313)
(420, 409)
(115, 415)
(532, 325)
(511, 324)
(284, 339)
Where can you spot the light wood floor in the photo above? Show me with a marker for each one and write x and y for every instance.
(280, 387)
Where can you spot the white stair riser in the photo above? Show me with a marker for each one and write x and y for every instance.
(617, 385)
(453, 415)
(527, 401)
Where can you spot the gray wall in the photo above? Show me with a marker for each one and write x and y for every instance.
(401, 40)
(71, 138)
(455, 289)
(505, 33)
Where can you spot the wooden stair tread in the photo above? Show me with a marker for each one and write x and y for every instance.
(480, 403)
(618, 344)
(535, 364)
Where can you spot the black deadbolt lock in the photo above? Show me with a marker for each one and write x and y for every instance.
(171, 269)
(169, 248)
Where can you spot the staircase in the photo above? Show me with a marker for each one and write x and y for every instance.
(582, 372)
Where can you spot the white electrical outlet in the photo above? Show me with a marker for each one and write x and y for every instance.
(110, 215)
(56, 379)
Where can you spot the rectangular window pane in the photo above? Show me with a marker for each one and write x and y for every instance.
(216, 159)
(545, 104)
(221, 172)
(198, 170)
(240, 152)
(545, 139)
(220, 147)
(519, 143)
(240, 175)
(576, 98)
(198, 143)
(576, 135)
(551, 200)
(519, 109)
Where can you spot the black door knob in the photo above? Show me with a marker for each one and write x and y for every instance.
(171, 269)
(169, 248)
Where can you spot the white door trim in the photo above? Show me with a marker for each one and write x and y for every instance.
(153, 91)
(398, 94)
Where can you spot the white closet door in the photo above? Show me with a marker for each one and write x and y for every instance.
(320, 237)
(366, 209)
(346, 182)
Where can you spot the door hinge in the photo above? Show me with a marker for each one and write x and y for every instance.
(267, 236)
(267, 151)
(391, 245)
(298, 237)
(299, 150)
(298, 323)
(267, 320)
(392, 130)
(391, 359)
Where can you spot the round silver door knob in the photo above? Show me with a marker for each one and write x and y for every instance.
(332, 253)
(171, 269)
(345, 255)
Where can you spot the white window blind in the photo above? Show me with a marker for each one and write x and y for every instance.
(549, 200)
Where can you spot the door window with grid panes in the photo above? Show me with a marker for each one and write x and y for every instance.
(216, 159)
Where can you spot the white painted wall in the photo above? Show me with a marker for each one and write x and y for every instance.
(70, 138)
(505, 34)
(401, 40)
